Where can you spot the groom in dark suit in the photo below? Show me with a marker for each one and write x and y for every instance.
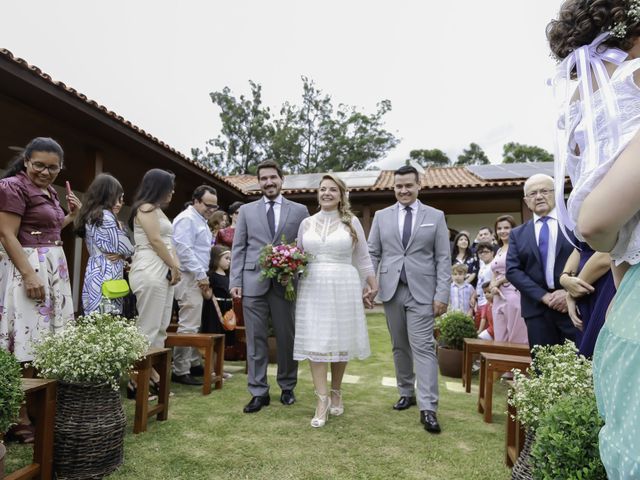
(538, 252)
(259, 223)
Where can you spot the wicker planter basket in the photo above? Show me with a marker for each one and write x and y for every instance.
(89, 431)
(522, 468)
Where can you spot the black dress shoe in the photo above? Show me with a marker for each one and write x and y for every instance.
(287, 397)
(430, 421)
(186, 379)
(197, 371)
(256, 404)
(404, 403)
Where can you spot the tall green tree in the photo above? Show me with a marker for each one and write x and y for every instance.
(429, 157)
(473, 155)
(245, 136)
(513, 152)
(310, 137)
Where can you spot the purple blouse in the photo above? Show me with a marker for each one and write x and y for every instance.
(42, 215)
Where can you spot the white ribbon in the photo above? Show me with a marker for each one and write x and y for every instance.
(588, 62)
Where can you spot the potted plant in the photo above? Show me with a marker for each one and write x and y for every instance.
(11, 397)
(556, 371)
(454, 327)
(567, 440)
(88, 358)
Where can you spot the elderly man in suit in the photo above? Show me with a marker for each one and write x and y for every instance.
(537, 254)
(409, 247)
(259, 223)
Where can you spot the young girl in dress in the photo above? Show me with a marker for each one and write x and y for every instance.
(598, 140)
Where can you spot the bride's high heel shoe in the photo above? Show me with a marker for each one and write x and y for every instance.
(338, 409)
(320, 417)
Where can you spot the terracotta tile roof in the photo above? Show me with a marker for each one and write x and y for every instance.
(433, 178)
(6, 54)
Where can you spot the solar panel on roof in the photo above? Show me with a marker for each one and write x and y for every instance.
(511, 170)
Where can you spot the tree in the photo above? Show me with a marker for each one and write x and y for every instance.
(513, 152)
(245, 136)
(474, 155)
(429, 158)
(310, 137)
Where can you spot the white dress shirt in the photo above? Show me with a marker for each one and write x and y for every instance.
(192, 239)
(553, 237)
(402, 213)
(276, 208)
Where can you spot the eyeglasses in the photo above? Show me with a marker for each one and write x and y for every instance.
(210, 206)
(545, 192)
(41, 167)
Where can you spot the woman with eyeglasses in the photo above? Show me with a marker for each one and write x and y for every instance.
(106, 241)
(35, 291)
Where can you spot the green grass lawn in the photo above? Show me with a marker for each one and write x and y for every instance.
(208, 437)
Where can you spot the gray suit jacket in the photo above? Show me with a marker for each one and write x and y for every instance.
(427, 258)
(252, 234)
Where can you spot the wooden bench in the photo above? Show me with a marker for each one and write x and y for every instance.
(208, 344)
(40, 395)
(492, 364)
(160, 359)
(475, 346)
(514, 438)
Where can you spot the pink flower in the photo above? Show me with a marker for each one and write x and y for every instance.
(62, 269)
(46, 310)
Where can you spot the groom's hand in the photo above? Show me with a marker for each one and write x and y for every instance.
(236, 292)
(439, 308)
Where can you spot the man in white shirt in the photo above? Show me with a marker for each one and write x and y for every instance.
(192, 239)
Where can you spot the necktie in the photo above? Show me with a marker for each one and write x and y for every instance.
(543, 241)
(271, 218)
(406, 235)
(406, 229)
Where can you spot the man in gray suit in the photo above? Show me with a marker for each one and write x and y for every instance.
(259, 223)
(409, 243)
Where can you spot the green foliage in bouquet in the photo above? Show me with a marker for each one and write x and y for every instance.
(454, 328)
(566, 444)
(95, 349)
(556, 371)
(11, 394)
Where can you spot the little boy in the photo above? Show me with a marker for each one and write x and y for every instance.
(463, 295)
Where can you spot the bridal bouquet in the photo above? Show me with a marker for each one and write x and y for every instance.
(283, 262)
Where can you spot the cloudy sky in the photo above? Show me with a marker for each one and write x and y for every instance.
(456, 72)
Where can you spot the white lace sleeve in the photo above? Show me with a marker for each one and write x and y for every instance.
(301, 230)
(361, 259)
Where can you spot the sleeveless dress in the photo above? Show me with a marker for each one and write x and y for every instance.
(617, 351)
(106, 238)
(330, 321)
(149, 283)
(508, 324)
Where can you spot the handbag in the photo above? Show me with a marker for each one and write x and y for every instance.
(115, 289)
(228, 320)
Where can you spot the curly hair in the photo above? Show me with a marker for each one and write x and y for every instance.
(581, 21)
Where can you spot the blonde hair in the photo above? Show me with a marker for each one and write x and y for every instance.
(460, 268)
(344, 207)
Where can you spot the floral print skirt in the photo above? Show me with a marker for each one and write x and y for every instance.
(22, 319)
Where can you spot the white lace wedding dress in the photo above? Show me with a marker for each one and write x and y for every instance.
(330, 320)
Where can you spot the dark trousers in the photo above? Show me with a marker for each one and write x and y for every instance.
(550, 328)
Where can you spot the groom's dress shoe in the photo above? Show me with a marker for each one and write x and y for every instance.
(287, 397)
(256, 404)
(404, 403)
(430, 421)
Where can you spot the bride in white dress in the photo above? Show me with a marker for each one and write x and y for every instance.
(330, 322)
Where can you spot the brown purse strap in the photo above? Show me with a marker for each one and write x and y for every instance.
(216, 306)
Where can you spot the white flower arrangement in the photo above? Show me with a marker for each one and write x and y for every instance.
(619, 29)
(556, 371)
(96, 348)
